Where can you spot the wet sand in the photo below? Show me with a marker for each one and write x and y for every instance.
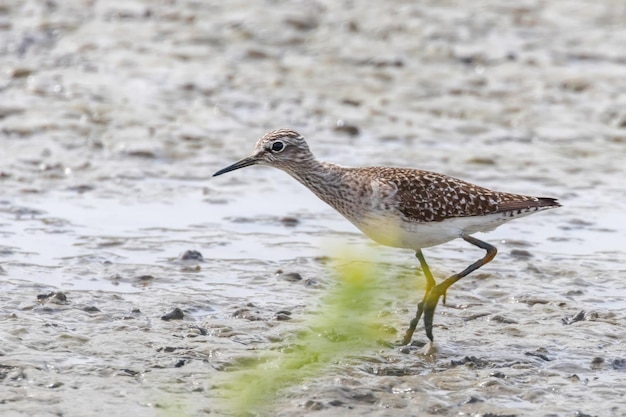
(114, 115)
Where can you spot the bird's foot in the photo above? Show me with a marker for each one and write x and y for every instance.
(430, 304)
(409, 332)
(426, 307)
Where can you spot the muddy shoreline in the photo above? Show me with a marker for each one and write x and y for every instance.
(114, 115)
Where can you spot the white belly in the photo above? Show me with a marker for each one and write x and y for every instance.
(392, 231)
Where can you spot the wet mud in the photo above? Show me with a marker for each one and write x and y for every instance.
(131, 281)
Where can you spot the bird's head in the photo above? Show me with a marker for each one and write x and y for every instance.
(283, 148)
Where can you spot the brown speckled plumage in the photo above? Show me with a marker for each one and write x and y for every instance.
(425, 196)
(400, 207)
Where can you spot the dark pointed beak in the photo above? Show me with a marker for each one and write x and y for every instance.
(245, 162)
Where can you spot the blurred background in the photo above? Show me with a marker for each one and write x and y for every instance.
(114, 115)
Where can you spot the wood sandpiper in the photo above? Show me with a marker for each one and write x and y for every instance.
(399, 207)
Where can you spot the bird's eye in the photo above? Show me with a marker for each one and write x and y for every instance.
(277, 146)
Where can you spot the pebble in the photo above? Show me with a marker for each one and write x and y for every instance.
(292, 277)
(289, 221)
(191, 255)
(175, 314)
(52, 297)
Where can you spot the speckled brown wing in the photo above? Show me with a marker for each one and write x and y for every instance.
(425, 196)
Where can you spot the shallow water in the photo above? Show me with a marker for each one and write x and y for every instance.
(114, 115)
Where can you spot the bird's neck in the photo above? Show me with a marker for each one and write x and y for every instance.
(323, 178)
